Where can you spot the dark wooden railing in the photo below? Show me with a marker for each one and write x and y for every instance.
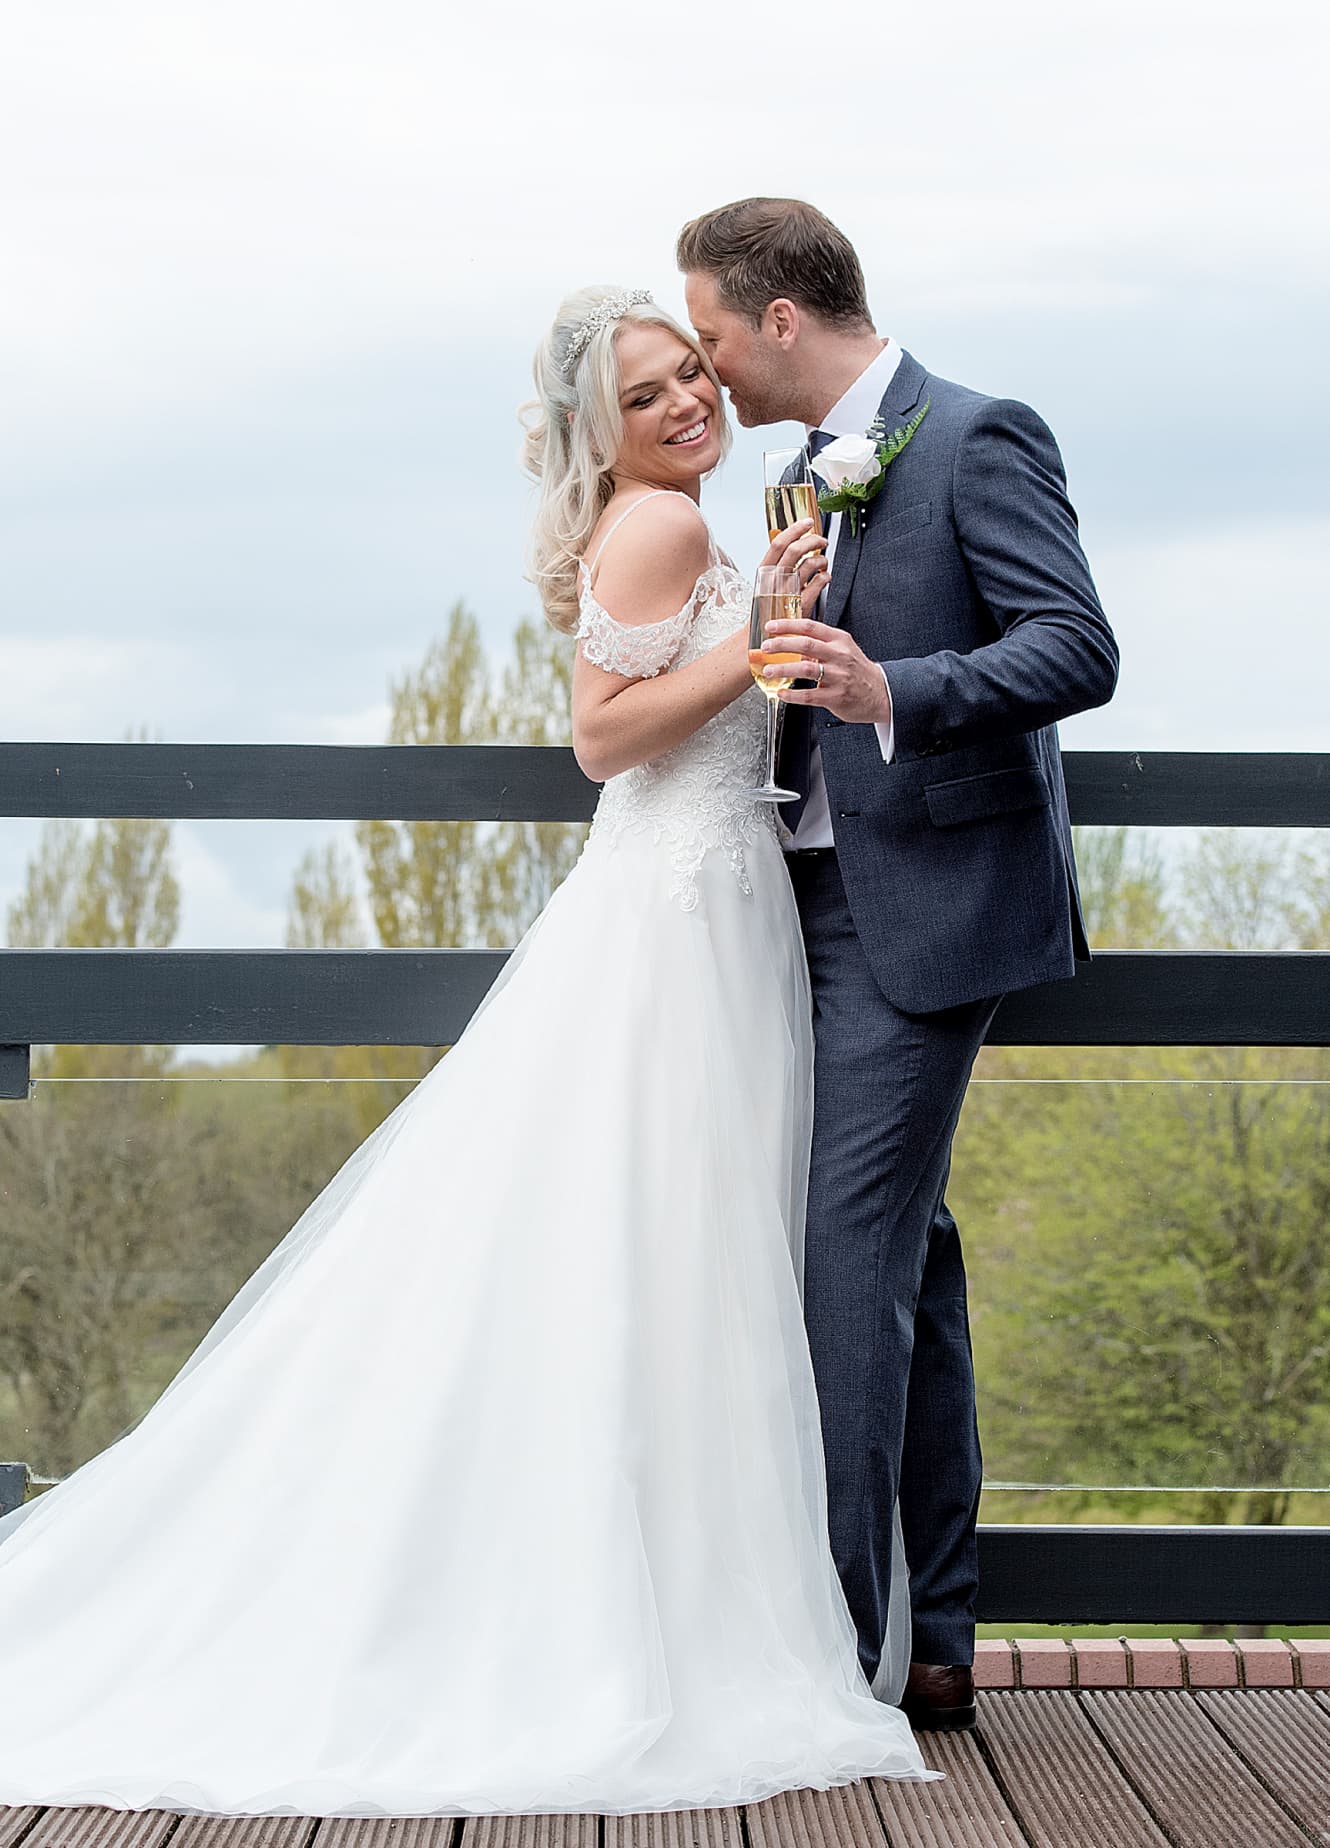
(1073, 1574)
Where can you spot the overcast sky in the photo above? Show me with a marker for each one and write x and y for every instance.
(273, 275)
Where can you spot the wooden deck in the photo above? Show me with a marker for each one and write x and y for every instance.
(1240, 1768)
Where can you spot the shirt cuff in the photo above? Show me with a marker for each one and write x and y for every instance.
(886, 734)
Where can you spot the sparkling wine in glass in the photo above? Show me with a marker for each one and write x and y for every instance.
(790, 491)
(775, 593)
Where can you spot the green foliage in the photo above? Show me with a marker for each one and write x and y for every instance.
(454, 882)
(1150, 1277)
(449, 882)
(891, 446)
(114, 887)
(1255, 892)
(132, 1212)
(83, 1196)
(422, 886)
(111, 887)
(527, 860)
(1122, 886)
(324, 911)
(463, 882)
(44, 916)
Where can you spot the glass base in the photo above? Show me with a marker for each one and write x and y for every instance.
(771, 793)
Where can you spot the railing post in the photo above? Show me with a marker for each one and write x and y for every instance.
(15, 1081)
(13, 1486)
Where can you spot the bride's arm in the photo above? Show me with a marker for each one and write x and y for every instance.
(620, 720)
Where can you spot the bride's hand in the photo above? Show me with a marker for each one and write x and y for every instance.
(802, 548)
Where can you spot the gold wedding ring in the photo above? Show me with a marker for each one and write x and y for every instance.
(821, 669)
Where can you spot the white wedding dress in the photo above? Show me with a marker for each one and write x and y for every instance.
(554, 1297)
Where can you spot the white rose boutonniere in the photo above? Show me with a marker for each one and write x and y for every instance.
(854, 467)
(849, 458)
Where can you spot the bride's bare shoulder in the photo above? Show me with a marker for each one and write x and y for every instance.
(645, 568)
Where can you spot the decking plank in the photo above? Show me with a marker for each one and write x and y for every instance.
(96, 1827)
(699, 1828)
(1058, 1775)
(244, 1832)
(677, 1828)
(968, 1811)
(378, 1832)
(1285, 1738)
(845, 1817)
(581, 1831)
(13, 1822)
(1188, 1774)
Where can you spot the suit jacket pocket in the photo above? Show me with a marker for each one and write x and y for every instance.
(997, 792)
(905, 520)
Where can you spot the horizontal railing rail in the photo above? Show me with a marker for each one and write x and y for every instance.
(425, 997)
(1050, 1574)
(1034, 1573)
(1154, 1575)
(510, 782)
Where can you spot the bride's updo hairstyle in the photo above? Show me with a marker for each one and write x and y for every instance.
(574, 428)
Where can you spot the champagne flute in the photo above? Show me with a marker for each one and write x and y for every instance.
(789, 490)
(775, 593)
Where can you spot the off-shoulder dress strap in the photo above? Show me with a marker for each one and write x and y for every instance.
(641, 501)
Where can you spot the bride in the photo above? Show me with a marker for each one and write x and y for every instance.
(556, 1294)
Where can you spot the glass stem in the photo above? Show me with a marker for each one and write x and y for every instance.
(771, 742)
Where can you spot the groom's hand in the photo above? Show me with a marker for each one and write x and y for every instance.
(848, 683)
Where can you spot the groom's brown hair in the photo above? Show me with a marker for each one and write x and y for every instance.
(758, 250)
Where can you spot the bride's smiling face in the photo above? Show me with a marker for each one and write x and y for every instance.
(670, 409)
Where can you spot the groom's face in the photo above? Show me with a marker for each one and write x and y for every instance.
(748, 359)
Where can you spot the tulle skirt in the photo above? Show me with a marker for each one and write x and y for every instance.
(554, 1300)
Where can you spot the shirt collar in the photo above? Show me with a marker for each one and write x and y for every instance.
(852, 413)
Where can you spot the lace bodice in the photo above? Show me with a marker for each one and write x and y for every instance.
(694, 799)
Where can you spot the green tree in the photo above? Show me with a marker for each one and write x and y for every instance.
(43, 916)
(88, 1170)
(425, 881)
(324, 908)
(1309, 914)
(528, 860)
(1241, 891)
(1122, 884)
(443, 883)
(112, 888)
(1151, 1278)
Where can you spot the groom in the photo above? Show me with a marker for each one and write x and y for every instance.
(931, 858)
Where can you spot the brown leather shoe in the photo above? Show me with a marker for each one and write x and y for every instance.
(939, 1699)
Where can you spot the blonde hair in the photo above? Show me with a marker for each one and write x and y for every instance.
(574, 428)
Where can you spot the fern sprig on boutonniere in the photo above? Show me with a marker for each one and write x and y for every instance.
(854, 467)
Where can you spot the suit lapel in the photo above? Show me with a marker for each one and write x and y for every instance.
(843, 568)
(898, 401)
(905, 390)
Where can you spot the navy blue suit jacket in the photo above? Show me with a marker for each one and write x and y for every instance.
(968, 583)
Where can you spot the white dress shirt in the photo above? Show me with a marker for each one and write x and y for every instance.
(849, 416)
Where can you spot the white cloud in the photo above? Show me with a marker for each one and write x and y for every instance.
(273, 270)
(195, 198)
(1222, 634)
(215, 912)
(367, 725)
(83, 686)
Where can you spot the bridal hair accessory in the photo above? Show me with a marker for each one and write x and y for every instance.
(613, 308)
(854, 467)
